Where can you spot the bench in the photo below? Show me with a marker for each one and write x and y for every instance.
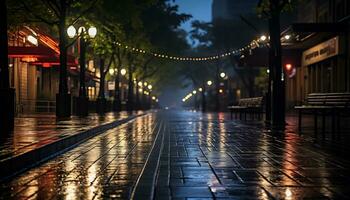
(252, 106)
(334, 105)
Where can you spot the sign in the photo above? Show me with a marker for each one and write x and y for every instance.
(111, 85)
(321, 52)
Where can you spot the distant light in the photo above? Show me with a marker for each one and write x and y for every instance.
(92, 31)
(289, 67)
(111, 71)
(183, 100)
(71, 31)
(268, 71)
(166, 108)
(200, 89)
(32, 40)
(150, 87)
(157, 100)
(194, 92)
(140, 90)
(287, 37)
(145, 83)
(209, 83)
(263, 37)
(154, 98)
(139, 84)
(222, 75)
(221, 91)
(123, 72)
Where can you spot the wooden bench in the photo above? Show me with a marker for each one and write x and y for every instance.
(325, 104)
(252, 106)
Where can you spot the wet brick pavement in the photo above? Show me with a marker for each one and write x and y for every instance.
(34, 131)
(202, 156)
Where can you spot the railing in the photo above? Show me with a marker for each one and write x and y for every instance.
(25, 106)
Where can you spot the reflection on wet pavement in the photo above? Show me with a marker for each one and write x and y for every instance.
(105, 166)
(212, 157)
(34, 131)
(203, 156)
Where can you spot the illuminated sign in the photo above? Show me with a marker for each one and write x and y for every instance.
(321, 52)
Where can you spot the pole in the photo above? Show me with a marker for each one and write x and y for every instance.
(82, 101)
(82, 88)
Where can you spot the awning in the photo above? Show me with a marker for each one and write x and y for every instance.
(39, 55)
(260, 58)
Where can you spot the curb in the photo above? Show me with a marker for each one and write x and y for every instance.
(18, 164)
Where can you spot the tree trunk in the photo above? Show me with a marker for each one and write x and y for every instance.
(4, 70)
(278, 96)
(117, 101)
(101, 92)
(204, 102)
(130, 102)
(7, 94)
(63, 104)
(217, 88)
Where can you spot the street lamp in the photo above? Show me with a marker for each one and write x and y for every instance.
(111, 71)
(200, 89)
(194, 92)
(222, 75)
(150, 87)
(209, 83)
(82, 36)
(263, 38)
(123, 72)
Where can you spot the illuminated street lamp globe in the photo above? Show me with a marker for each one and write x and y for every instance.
(111, 71)
(154, 98)
(71, 31)
(150, 87)
(200, 89)
(139, 84)
(92, 31)
(145, 83)
(209, 83)
(123, 72)
(222, 75)
(194, 92)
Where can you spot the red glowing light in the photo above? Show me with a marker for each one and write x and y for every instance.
(289, 67)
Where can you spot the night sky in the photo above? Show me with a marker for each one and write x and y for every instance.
(199, 9)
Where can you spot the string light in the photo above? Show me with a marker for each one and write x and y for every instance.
(260, 42)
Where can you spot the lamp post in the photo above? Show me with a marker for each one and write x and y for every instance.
(82, 101)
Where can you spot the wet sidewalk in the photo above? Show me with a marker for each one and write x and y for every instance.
(33, 132)
(186, 155)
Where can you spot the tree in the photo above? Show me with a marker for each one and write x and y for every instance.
(272, 9)
(6, 93)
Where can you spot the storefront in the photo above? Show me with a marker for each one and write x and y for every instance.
(34, 71)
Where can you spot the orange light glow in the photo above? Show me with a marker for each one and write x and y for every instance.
(288, 67)
(29, 59)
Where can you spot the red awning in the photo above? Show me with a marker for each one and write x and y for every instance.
(37, 52)
(39, 55)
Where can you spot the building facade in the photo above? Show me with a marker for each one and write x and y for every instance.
(324, 53)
